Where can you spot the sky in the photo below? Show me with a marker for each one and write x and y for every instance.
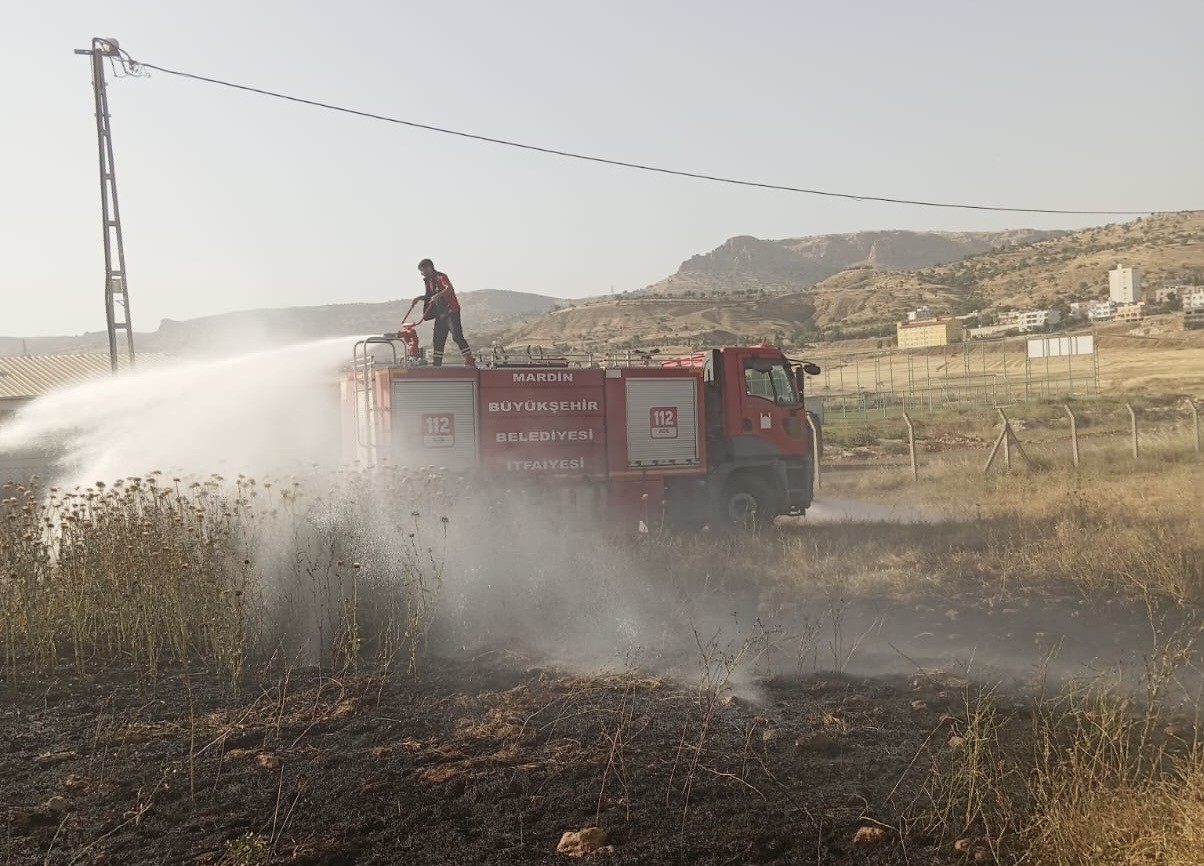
(233, 201)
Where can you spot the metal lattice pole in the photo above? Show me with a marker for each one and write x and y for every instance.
(117, 300)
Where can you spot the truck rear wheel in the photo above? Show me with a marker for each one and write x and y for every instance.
(748, 502)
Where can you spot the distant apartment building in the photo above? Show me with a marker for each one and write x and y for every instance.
(985, 331)
(921, 314)
(1100, 311)
(1193, 298)
(1124, 285)
(1029, 320)
(921, 334)
(1166, 293)
(1130, 312)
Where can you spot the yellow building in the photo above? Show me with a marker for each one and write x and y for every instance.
(935, 332)
(1130, 312)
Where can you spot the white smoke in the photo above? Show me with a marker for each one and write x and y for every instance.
(274, 411)
(512, 577)
(509, 576)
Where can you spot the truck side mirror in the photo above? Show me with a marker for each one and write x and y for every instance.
(799, 369)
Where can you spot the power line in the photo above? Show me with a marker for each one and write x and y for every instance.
(136, 66)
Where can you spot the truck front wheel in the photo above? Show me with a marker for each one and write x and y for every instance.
(747, 503)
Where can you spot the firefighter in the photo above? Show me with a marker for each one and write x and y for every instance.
(440, 304)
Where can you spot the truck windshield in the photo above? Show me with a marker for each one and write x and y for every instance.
(769, 381)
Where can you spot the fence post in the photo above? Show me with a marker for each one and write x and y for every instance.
(1133, 428)
(911, 447)
(844, 399)
(1074, 436)
(1003, 435)
(814, 448)
(1007, 437)
(1195, 421)
(1007, 442)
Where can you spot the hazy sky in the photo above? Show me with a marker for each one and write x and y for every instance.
(235, 201)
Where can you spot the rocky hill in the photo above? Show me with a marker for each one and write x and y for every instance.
(743, 263)
(677, 322)
(486, 312)
(734, 301)
(1165, 248)
(747, 289)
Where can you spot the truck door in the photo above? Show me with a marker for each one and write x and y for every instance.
(769, 405)
(768, 434)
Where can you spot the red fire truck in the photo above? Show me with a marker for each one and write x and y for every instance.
(719, 438)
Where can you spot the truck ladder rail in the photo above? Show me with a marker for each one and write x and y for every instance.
(363, 368)
(537, 356)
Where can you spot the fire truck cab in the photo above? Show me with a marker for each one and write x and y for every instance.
(758, 438)
(719, 438)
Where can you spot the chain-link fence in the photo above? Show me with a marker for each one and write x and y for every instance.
(884, 382)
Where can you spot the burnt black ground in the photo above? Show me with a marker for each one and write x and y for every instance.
(479, 761)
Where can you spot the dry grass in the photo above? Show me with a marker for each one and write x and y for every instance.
(218, 574)
(134, 571)
(1091, 773)
(1104, 790)
(1117, 524)
(1130, 527)
(1088, 773)
(1092, 777)
(223, 574)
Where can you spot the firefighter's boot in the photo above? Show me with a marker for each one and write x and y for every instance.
(469, 360)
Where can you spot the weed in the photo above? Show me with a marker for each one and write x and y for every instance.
(719, 662)
(216, 573)
(249, 849)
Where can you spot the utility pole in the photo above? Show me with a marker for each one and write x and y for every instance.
(117, 299)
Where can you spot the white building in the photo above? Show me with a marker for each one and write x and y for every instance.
(1193, 299)
(987, 331)
(1124, 285)
(1027, 320)
(921, 314)
(1101, 311)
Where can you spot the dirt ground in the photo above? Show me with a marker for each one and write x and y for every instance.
(491, 755)
(471, 762)
(488, 759)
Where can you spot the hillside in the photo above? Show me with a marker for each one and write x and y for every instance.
(486, 312)
(634, 321)
(866, 300)
(749, 289)
(743, 263)
(1166, 248)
